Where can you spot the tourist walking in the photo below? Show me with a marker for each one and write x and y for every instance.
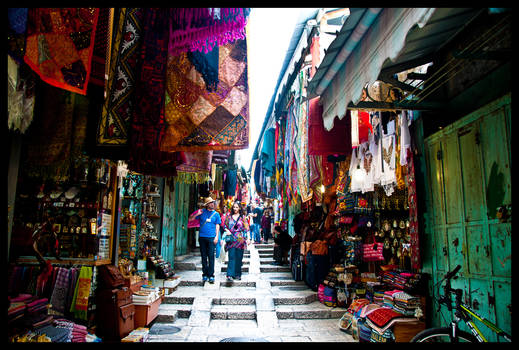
(237, 228)
(208, 236)
(266, 225)
(256, 214)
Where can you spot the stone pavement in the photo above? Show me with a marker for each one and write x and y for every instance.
(267, 305)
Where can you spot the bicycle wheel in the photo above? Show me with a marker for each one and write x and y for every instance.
(441, 335)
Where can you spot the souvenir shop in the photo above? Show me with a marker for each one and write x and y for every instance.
(348, 198)
(94, 196)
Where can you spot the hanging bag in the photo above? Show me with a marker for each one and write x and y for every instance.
(372, 251)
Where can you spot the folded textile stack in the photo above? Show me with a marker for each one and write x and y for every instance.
(38, 320)
(16, 310)
(37, 305)
(383, 318)
(378, 297)
(388, 298)
(78, 332)
(406, 304)
(56, 334)
(139, 335)
(395, 279)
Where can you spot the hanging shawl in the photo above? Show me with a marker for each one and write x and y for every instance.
(303, 170)
(79, 306)
(21, 83)
(195, 167)
(60, 44)
(57, 134)
(197, 120)
(201, 29)
(148, 124)
(118, 106)
(267, 152)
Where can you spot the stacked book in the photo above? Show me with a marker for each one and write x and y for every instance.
(146, 295)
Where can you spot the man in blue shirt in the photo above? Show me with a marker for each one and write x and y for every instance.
(208, 236)
(256, 215)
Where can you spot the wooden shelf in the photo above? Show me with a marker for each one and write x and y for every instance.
(64, 261)
(152, 216)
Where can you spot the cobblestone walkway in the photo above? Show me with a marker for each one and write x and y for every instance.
(267, 305)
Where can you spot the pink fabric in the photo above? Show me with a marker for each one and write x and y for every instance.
(193, 223)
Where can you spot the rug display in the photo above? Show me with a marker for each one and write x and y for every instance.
(199, 120)
(59, 45)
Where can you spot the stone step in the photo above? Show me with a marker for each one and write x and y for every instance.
(274, 268)
(314, 310)
(233, 312)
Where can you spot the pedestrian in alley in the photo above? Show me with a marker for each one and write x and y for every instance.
(256, 214)
(237, 228)
(282, 244)
(208, 236)
(266, 225)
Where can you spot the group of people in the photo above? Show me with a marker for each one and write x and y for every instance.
(233, 230)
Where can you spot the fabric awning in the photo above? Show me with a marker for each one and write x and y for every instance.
(377, 34)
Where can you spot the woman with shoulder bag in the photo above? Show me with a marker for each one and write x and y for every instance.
(236, 232)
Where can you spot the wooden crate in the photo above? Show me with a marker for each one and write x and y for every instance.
(144, 314)
(405, 331)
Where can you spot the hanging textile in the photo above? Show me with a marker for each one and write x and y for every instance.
(207, 65)
(201, 29)
(59, 293)
(197, 120)
(101, 54)
(57, 134)
(148, 125)
(413, 211)
(322, 142)
(268, 152)
(118, 106)
(303, 171)
(221, 157)
(387, 175)
(360, 127)
(195, 167)
(60, 44)
(79, 306)
(21, 83)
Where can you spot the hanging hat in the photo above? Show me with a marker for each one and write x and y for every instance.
(208, 200)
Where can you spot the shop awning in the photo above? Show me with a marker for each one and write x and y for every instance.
(372, 40)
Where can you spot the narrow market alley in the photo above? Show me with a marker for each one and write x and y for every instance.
(267, 305)
(340, 166)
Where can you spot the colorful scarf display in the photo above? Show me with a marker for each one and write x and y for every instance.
(118, 106)
(201, 29)
(199, 120)
(413, 212)
(59, 45)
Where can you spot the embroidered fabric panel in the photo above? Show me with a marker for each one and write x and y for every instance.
(117, 109)
(199, 120)
(59, 45)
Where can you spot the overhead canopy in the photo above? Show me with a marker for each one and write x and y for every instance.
(375, 40)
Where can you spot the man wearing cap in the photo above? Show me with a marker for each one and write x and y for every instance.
(208, 236)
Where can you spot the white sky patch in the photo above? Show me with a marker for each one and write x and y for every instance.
(268, 35)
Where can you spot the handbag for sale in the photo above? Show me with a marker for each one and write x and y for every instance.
(372, 251)
(330, 297)
(320, 293)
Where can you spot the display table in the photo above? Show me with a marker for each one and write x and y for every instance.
(145, 314)
(405, 331)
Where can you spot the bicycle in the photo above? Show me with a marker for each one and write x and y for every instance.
(462, 312)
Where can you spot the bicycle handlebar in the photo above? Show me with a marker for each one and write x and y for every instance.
(451, 274)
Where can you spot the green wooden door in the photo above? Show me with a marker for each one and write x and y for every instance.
(469, 177)
(168, 225)
(182, 214)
